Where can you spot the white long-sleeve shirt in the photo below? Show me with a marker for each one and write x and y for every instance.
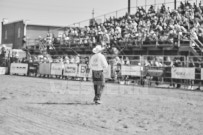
(98, 62)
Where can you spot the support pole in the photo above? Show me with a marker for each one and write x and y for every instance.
(129, 7)
(175, 3)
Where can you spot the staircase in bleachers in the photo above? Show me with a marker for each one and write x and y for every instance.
(197, 47)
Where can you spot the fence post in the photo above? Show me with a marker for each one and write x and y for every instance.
(128, 7)
(142, 70)
(175, 3)
(178, 40)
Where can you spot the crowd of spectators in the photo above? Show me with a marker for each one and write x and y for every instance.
(67, 59)
(143, 27)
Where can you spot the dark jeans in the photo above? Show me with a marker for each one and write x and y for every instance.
(98, 89)
(98, 81)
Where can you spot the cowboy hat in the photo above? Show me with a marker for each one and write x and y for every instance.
(97, 49)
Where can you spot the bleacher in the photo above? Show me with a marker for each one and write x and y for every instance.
(149, 32)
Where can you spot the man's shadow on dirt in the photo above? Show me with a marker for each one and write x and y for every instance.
(55, 103)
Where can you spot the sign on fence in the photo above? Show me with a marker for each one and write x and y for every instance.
(19, 68)
(33, 67)
(131, 70)
(45, 68)
(3, 70)
(82, 72)
(183, 73)
(70, 70)
(57, 68)
(201, 73)
(156, 72)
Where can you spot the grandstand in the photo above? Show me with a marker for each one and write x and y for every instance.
(143, 32)
(151, 31)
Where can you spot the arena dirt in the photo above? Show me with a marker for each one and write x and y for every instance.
(37, 106)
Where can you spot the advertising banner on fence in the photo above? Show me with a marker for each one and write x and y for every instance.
(201, 73)
(183, 73)
(131, 70)
(45, 68)
(156, 72)
(82, 71)
(70, 70)
(3, 70)
(19, 68)
(57, 68)
(33, 67)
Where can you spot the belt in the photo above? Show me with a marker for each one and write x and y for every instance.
(97, 70)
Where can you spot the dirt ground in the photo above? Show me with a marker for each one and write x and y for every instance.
(37, 106)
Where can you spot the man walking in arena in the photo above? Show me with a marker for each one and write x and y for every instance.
(98, 64)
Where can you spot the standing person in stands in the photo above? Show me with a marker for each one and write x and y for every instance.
(71, 60)
(24, 42)
(177, 63)
(2, 55)
(191, 82)
(3, 51)
(77, 59)
(97, 64)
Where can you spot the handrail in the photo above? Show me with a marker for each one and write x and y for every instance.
(199, 43)
(197, 47)
(196, 40)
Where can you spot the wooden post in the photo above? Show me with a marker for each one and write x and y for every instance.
(129, 7)
(175, 3)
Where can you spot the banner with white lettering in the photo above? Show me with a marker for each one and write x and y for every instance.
(19, 68)
(70, 70)
(45, 68)
(57, 68)
(131, 70)
(201, 73)
(3, 70)
(155, 71)
(183, 73)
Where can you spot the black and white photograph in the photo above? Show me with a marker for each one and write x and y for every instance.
(101, 67)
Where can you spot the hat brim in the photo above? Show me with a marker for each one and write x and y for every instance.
(96, 50)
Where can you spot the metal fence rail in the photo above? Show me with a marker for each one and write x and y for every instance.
(152, 71)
